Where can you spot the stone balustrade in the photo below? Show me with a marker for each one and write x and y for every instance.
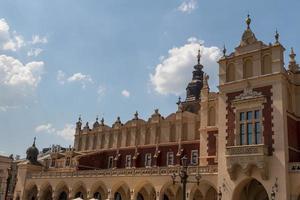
(192, 170)
(258, 149)
(294, 167)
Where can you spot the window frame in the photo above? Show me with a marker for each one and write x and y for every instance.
(128, 162)
(253, 121)
(110, 162)
(192, 156)
(148, 155)
(168, 158)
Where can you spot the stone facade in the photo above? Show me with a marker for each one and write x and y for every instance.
(244, 141)
(5, 167)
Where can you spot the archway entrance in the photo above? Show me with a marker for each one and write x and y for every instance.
(63, 196)
(145, 191)
(198, 195)
(253, 190)
(32, 193)
(118, 196)
(171, 192)
(47, 193)
(140, 197)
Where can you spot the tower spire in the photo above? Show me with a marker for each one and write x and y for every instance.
(276, 37)
(34, 141)
(199, 56)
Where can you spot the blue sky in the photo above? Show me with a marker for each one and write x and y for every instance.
(59, 59)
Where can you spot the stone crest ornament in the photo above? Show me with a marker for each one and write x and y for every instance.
(248, 93)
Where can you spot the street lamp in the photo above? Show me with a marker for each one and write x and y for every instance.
(183, 174)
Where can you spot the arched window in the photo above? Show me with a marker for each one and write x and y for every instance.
(267, 65)
(230, 72)
(128, 138)
(147, 136)
(102, 141)
(247, 69)
(211, 116)
(111, 140)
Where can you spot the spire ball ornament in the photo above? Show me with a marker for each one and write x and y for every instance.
(248, 21)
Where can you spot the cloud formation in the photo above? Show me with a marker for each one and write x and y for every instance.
(187, 6)
(17, 81)
(67, 132)
(125, 93)
(9, 40)
(36, 39)
(83, 79)
(34, 52)
(172, 75)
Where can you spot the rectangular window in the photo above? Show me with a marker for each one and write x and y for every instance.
(148, 160)
(68, 161)
(257, 133)
(170, 158)
(249, 133)
(194, 157)
(53, 163)
(242, 134)
(128, 161)
(110, 162)
(249, 115)
(250, 127)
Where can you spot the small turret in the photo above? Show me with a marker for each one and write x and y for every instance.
(78, 124)
(293, 66)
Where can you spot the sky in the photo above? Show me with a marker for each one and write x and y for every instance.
(109, 58)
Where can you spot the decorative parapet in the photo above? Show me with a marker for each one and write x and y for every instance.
(159, 171)
(294, 167)
(247, 157)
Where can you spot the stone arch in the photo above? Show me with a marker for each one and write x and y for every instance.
(171, 192)
(211, 116)
(79, 190)
(206, 188)
(144, 190)
(211, 194)
(196, 193)
(247, 68)
(61, 191)
(31, 192)
(230, 72)
(121, 189)
(266, 64)
(249, 189)
(99, 191)
(46, 191)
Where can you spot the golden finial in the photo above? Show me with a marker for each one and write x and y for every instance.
(248, 21)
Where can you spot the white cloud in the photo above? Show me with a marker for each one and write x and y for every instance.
(174, 72)
(9, 40)
(18, 81)
(125, 93)
(187, 6)
(67, 132)
(100, 92)
(36, 39)
(34, 52)
(83, 79)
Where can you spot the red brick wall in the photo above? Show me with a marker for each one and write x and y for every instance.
(99, 160)
(267, 115)
(211, 146)
(293, 138)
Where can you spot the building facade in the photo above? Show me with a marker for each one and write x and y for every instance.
(5, 169)
(242, 143)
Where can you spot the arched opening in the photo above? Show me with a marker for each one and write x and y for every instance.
(46, 194)
(211, 194)
(99, 190)
(121, 191)
(197, 195)
(230, 72)
(247, 69)
(249, 190)
(63, 196)
(145, 191)
(267, 65)
(171, 192)
(32, 193)
(211, 116)
(298, 197)
(79, 191)
(118, 196)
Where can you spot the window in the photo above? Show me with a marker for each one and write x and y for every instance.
(267, 65)
(128, 161)
(148, 160)
(110, 162)
(250, 127)
(52, 163)
(194, 157)
(170, 158)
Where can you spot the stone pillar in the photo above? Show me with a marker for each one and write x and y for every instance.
(157, 194)
(89, 194)
(132, 194)
(110, 196)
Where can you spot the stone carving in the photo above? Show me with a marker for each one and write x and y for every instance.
(248, 93)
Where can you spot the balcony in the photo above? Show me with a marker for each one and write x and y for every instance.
(246, 157)
(294, 167)
(152, 171)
